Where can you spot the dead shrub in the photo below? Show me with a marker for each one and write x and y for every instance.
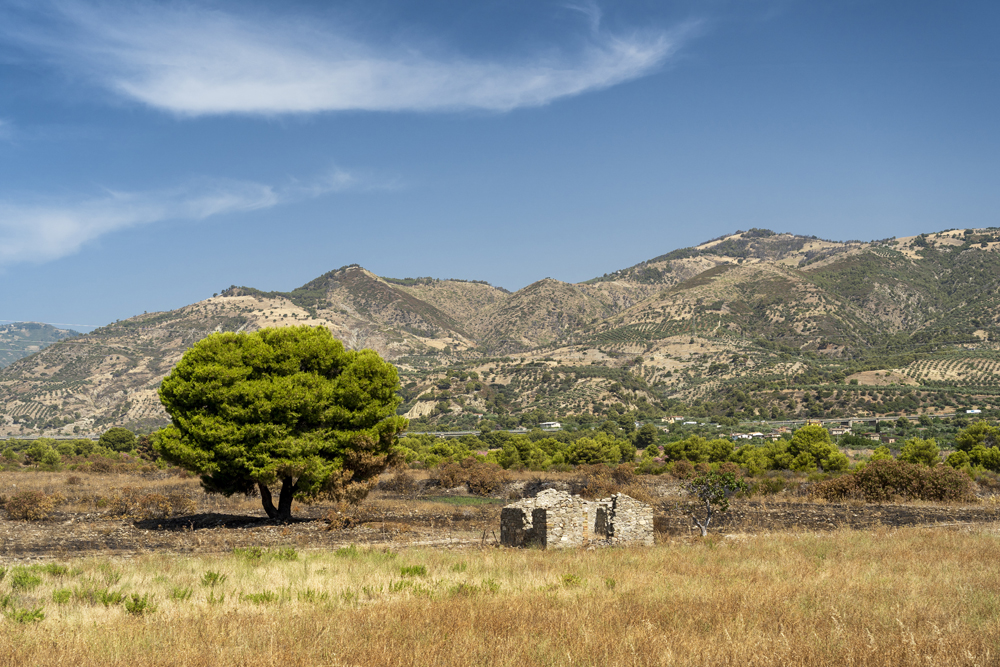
(890, 480)
(132, 502)
(729, 466)
(481, 477)
(400, 483)
(683, 469)
(601, 481)
(73, 480)
(31, 505)
(336, 521)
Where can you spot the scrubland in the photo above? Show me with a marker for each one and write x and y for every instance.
(875, 597)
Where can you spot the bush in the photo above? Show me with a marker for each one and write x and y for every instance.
(884, 481)
(26, 615)
(400, 483)
(138, 605)
(481, 477)
(31, 505)
(601, 481)
(683, 470)
(132, 502)
(24, 579)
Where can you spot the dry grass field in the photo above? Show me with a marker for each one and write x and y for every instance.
(884, 597)
(412, 581)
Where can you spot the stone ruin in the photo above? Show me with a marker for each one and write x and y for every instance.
(556, 520)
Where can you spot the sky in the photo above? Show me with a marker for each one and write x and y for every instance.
(154, 153)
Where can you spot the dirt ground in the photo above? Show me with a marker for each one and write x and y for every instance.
(86, 525)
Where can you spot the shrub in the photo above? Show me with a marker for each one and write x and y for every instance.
(212, 579)
(683, 470)
(137, 605)
(132, 502)
(181, 593)
(730, 467)
(26, 615)
(481, 477)
(413, 571)
(259, 598)
(601, 481)
(886, 480)
(31, 505)
(23, 579)
(400, 483)
(770, 486)
(109, 597)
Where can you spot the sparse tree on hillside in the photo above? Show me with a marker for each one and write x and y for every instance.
(288, 407)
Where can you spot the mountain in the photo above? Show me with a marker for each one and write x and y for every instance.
(20, 339)
(750, 324)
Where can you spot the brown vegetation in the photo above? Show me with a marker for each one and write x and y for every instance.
(778, 599)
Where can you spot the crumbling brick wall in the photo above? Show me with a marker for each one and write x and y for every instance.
(556, 520)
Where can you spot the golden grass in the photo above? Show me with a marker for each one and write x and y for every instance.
(90, 492)
(911, 596)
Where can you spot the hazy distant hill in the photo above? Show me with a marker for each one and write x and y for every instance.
(751, 324)
(23, 338)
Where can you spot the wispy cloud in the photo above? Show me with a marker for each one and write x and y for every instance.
(41, 232)
(195, 61)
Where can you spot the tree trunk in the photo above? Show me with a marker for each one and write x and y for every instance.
(285, 499)
(265, 499)
(284, 509)
(708, 519)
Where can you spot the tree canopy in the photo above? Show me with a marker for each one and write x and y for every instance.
(118, 439)
(285, 406)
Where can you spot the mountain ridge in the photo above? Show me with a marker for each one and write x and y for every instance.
(751, 308)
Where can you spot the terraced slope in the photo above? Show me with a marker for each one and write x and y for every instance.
(20, 339)
(754, 323)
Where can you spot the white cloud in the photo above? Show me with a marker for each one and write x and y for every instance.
(195, 61)
(42, 232)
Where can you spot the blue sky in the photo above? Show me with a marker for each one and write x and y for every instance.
(152, 153)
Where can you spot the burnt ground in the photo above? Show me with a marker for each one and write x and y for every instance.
(401, 522)
(764, 516)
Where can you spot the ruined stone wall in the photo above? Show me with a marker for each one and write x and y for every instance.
(631, 521)
(556, 520)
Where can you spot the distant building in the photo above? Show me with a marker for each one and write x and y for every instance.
(550, 425)
(973, 412)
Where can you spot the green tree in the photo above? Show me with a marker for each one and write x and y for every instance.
(585, 450)
(118, 439)
(881, 453)
(924, 452)
(41, 453)
(979, 433)
(283, 406)
(813, 442)
(714, 489)
(646, 436)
